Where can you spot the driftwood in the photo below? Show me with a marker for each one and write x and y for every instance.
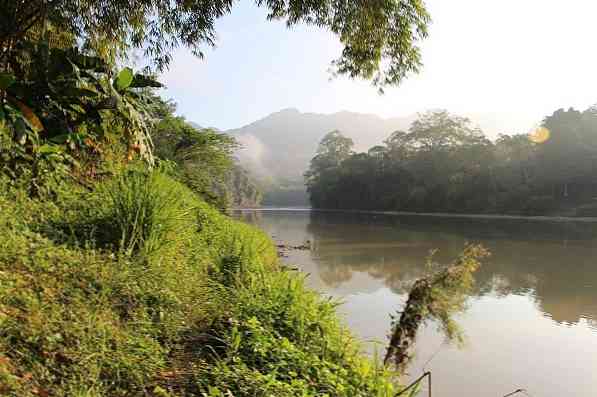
(437, 296)
(303, 247)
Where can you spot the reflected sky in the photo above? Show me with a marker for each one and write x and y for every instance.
(531, 321)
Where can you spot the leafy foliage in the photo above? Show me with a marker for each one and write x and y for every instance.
(442, 163)
(203, 157)
(208, 313)
(380, 39)
(333, 149)
(437, 296)
(121, 280)
(64, 108)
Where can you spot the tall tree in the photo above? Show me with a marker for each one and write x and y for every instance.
(322, 175)
(204, 158)
(568, 155)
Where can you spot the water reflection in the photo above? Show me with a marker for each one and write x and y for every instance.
(552, 261)
(532, 318)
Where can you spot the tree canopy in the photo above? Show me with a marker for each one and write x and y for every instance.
(443, 163)
(380, 38)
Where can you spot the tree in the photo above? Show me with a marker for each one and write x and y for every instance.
(203, 157)
(440, 151)
(321, 176)
(380, 38)
(515, 155)
(439, 130)
(568, 156)
(442, 163)
(335, 148)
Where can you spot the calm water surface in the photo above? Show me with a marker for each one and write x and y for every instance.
(531, 322)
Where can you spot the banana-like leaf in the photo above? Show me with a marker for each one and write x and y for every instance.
(62, 138)
(87, 62)
(29, 115)
(48, 149)
(124, 79)
(78, 92)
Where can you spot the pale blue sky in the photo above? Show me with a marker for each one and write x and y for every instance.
(511, 59)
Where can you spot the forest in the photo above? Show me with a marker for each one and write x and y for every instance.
(442, 163)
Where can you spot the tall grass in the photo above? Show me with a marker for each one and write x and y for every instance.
(140, 288)
(144, 213)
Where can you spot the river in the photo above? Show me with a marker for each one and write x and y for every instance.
(531, 322)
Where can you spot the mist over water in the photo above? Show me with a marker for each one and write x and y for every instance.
(531, 322)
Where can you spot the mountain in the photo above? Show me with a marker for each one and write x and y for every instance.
(281, 145)
(277, 149)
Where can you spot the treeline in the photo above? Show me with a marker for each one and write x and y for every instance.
(444, 164)
(285, 192)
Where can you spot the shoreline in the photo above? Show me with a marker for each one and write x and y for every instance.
(541, 218)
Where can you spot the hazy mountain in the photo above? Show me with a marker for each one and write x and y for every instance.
(283, 143)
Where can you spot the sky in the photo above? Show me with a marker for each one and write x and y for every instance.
(511, 61)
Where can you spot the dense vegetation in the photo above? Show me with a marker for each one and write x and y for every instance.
(286, 192)
(203, 159)
(443, 164)
(138, 287)
(118, 278)
(117, 275)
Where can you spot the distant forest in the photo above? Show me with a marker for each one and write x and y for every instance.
(444, 164)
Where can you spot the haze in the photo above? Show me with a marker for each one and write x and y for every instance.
(506, 64)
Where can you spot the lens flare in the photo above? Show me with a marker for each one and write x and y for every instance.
(540, 135)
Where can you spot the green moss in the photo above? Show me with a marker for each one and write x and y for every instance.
(140, 288)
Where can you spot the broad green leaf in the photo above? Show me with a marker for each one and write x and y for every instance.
(6, 80)
(86, 62)
(78, 92)
(124, 79)
(62, 138)
(47, 149)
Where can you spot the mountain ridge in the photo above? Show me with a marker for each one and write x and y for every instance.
(281, 144)
(277, 148)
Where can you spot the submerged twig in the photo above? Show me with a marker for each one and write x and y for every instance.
(516, 392)
(416, 383)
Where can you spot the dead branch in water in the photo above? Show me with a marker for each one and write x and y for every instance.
(437, 296)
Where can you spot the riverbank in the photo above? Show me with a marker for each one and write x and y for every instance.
(435, 214)
(137, 287)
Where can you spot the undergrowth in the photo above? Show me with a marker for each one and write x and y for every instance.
(137, 287)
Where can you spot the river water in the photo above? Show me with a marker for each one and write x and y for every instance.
(531, 322)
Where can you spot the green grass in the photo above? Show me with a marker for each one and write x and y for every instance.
(140, 288)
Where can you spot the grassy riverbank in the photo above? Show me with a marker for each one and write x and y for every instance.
(137, 287)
